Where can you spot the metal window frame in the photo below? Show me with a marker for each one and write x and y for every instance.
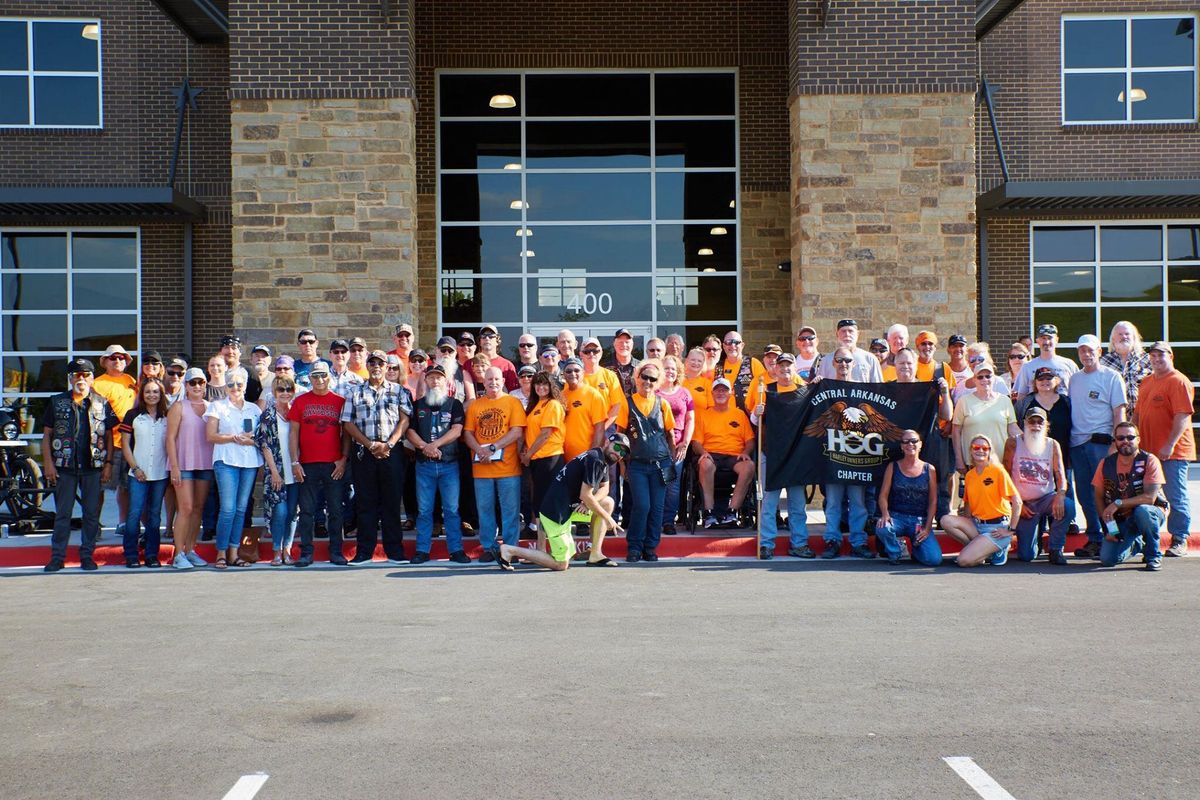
(30, 74)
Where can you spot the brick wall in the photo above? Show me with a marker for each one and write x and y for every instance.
(1023, 55)
(1008, 280)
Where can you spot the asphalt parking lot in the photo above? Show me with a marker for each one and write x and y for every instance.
(682, 679)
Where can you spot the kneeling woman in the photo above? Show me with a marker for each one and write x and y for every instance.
(908, 504)
(987, 520)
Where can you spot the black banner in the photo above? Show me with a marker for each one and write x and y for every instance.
(841, 432)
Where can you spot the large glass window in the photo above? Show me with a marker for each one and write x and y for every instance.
(50, 73)
(588, 199)
(1088, 277)
(63, 293)
(1121, 69)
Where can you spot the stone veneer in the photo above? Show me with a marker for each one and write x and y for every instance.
(883, 212)
(323, 218)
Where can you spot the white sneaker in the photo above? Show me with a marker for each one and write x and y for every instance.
(196, 560)
(181, 561)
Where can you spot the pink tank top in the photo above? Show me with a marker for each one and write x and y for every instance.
(192, 445)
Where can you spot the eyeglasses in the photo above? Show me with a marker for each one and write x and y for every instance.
(527, 344)
(980, 448)
(806, 338)
(910, 441)
(285, 391)
(1126, 438)
(306, 341)
(488, 336)
(1016, 357)
(319, 376)
(410, 360)
(733, 342)
(649, 378)
(843, 360)
(197, 382)
(712, 349)
(175, 373)
(337, 352)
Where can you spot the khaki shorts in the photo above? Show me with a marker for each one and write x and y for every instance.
(120, 473)
(559, 537)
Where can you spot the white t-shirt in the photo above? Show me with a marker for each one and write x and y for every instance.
(231, 420)
(865, 368)
(1063, 367)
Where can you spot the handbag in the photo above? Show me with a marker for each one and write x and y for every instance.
(248, 549)
(667, 471)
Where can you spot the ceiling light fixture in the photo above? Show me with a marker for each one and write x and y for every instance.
(502, 101)
(704, 251)
(528, 253)
(709, 269)
(733, 203)
(524, 232)
(91, 31)
(512, 166)
(1135, 96)
(517, 205)
(718, 231)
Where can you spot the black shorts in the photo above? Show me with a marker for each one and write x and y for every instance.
(723, 462)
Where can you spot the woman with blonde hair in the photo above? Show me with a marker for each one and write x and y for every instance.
(281, 492)
(694, 381)
(992, 505)
(190, 455)
(1018, 354)
(683, 408)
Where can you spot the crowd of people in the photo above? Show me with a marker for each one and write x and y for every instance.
(459, 440)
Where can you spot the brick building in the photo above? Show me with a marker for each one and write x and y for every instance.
(667, 167)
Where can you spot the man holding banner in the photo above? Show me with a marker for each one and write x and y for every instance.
(785, 383)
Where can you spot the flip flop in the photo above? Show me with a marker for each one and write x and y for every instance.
(603, 562)
(241, 563)
(220, 563)
(504, 564)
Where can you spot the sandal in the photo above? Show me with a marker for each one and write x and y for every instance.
(504, 563)
(241, 562)
(603, 562)
(220, 563)
(277, 561)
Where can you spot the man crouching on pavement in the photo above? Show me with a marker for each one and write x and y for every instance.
(582, 485)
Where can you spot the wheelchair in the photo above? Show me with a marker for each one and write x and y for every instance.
(692, 498)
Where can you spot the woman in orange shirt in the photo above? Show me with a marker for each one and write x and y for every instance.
(694, 380)
(544, 430)
(988, 518)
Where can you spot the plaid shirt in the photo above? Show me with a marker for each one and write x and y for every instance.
(376, 412)
(1131, 371)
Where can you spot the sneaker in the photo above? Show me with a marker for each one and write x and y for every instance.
(801, 552)
(458, 557)
(1154, 564)
(132, 563)
(88, 564)
(487, 557)
(360, 559)
(766, 553)
(302, 562)
(195, 560)
(710, 520)
(421, 558)
(391, 560)
(181, 561)
(832, 550)
(1089, 550)
(1000, 558)
(861, 551)
(633, 558)
(1178, 549)
(153, 563)
(54, 566)
(1057, 558)
(729, 518)
(649, 555)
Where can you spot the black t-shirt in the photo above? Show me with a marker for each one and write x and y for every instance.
(563, 494)
(254, 387)
(624, 373)
(431, 423)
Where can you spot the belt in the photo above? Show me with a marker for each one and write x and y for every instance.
(992, 521)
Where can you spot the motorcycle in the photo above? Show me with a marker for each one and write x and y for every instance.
(21, 486)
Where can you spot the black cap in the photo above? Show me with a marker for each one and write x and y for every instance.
(336, 343)
(956, 338)
(359, 341)
(1047, 329)
(466, 336)
(80, 365)
(435, 369)
(306, 332)
(879, 343)
(178, 362)
(622, 332)
(151, 357)
(846, 323)
(230, 339)
(445, 341)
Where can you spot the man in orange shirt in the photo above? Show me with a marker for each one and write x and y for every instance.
(723, 441)
(495, 425)
(602, 379)
(587, 412)
(403, 338)
(119, 388)
(1166, 402)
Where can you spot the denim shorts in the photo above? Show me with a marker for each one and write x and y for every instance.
(997, 533)
(196, 474)
(120, 473)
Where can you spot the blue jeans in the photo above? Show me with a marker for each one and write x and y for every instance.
(928, 552)
(235, 486)
(1179, 521)
(283, 518)
(1139, 534)
(1084, 460)
(647, 492)
(434, 477)
(487, 491)
(834, 494)
(671, 498)
(144, 496)
(1027, 529)
(797, 518)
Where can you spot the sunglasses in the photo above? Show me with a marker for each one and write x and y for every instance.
(620, 449)
(175, 373)
(338, 352)
(733, 341)
(527, 344)
(980, 448)
(1035, 421)
(319, 376)
(976, 359)
(411, 361)
(197, 382)
(983, 376)
(1046, 378)
(591, 351)
(403, 335)
(649, 378)
(806, 338)
(1126, 438)
(910, 441)
(306, 341)
(843, 360)
(1016, 357)
(878, 350)
(572, 371)
(446, 351)
(488, 336)
(285, 391)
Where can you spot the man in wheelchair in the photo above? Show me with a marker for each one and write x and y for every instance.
(724, 446)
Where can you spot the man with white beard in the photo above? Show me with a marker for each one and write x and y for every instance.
(1035, 462)
(437, 424)
(447, 358)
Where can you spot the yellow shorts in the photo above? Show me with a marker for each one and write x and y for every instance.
(559, 537)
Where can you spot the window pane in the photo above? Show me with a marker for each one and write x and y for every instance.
(1187, 360)
(587, 145)
(14, 100)
(14, 49)
(696, 195)
(690, 298)
(32, 333)
(107, 251)
(469, 95)
(102, 291)
(1094, 43)
(66, 101)
(594, 196)
(679, 248)
(483, 249)
(1164, 42)
(34, 408)
(1148, 320)
(695, 144)
(36, 291)
(701, 94)
(480, 145)
(588, 95)
(1183, 243)
(1185, 327)
(1169, 95)
(1184, 284)
(35, 373)
(1064, 244)
(61, 47)
(1127, 243)
(1064, 285)
(34, 251)
(481, 197)
(577, 297)
(475, 300)
(98, 331)
(1131, 283)
(1072, 322)
(1094, 98)
(594, 248)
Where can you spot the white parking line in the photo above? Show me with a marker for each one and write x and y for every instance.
(984, 785)
(246, 787)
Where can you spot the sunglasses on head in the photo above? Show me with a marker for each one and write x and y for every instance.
(976, 359)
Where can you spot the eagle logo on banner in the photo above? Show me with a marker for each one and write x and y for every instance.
(863, 419)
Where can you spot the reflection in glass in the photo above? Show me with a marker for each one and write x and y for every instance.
(14, 100)
(1094, 43)
(1187, 361)
(573, 296)
(679, 245)
(66, 100)
(699, 94)
(699, 143)
(34, 251)
(33, 333)
(592, 248)
(587, 145)
(478, 300)
(1064, 284)
(696, 195)
(480, 145)
(1131, 283)
(1169, 95)
(1072, 322)
(469, 95)
(1183, 243)
(1183, 284)
(97, 331)
(61, 47)
(102, 291)
(35, 373)
(1149, 320)
(1164, 42)
(109, 251)
(590, 95)
(1094, 97)
(480, 197)
(1131, 243)
(589, 196)
(32, 412)
(689, 297)
(1064, 244)
(33, 291)
(486, 249)
(14, 52)
(1185, 326)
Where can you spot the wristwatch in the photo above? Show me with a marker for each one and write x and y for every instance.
(1119, 502)
(492, 447)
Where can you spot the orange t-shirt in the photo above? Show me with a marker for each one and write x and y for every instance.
(584, 408)
(987, 494)
(701, 389)
(646, 405)
(752, 396)
(488, 420)
(1159, 400)
(546, 414)
(725, 432)
(121, 394)
(606, 382)
(1153, 473)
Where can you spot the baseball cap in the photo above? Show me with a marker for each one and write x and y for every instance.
(879, 343)
(1035, 411)
(435, 369)
(808, 328)
(377, 355)
(527, 369)
(177, 362)
(784, 357)
(358, 340)
(306, 332)
(847, 323)
(339, 343)
(80, 365)
(114, 349)
(445, 341)
(1044, 372)
(572, 362)
(548, 350)
(194, 373)
(722, 382)
(590, 340)
(261, 348)
(1047, 329)
(404, 327)
(772, 348)
(620, 442)
(466, 336)
(984, 365)
(1164, 347)
(151, 357)
(957, 338)
(285, 361)
(1089, 340)
(229, 339)
(418, 353)
(488, 329)
(319, 366)
(926, 336)
(622, 332)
